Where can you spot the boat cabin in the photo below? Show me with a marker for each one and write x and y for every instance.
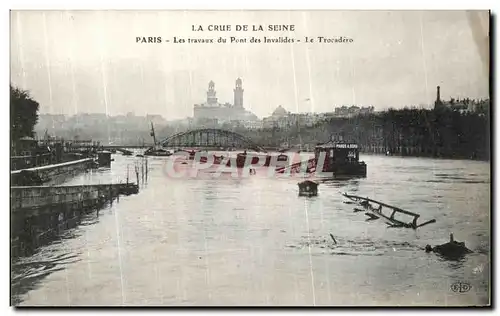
(341, 158)
(104, 158)
(338, 152)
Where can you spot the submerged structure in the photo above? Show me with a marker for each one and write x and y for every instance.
(452, 249)
(375, 210)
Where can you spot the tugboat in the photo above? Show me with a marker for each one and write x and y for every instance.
(156, 150)
(341, 158)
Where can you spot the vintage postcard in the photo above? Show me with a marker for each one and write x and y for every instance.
(250, 158)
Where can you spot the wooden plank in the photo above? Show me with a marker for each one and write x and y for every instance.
(383, 204)
(391, 220)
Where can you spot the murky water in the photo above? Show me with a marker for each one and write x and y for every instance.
(253, 241)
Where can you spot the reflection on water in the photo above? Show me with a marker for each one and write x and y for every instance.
(26, 275)
(31, 230)
(36, 240)
(254, 241)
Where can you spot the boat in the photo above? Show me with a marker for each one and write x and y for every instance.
(216, 160)
(156, 149)
(240, 159)
(279, 159)
(336, 158)
(376, 212)
(124, 152)
(129, 189)
(104, 158)
(159, 152)
(340, 157)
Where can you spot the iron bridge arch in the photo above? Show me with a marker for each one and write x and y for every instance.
(210, 138)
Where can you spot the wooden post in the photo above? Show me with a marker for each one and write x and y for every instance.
(392, 215)
(137, 173)
(110, 194)
(142, 170)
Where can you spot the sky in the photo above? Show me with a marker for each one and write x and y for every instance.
(89, 61)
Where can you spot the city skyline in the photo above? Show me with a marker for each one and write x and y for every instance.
(88, 61)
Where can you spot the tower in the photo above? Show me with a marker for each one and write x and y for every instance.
(238, 94)
(211, 94)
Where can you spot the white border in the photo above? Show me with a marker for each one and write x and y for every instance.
(199, 5)
(255, 4)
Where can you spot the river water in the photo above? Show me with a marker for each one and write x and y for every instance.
(254, 241)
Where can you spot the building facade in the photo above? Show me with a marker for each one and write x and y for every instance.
(465, 105)
(351, 111)
(213, 111)
(282, 119)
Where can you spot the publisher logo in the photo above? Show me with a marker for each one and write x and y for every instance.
(461, 287)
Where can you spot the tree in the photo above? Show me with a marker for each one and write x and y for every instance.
(23, 114)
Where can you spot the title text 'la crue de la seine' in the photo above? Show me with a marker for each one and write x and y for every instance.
(242, 39)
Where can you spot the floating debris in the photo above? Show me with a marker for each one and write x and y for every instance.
(371, 216)
(308, 188)
(451, 250)
(376, 212)
(333, 239)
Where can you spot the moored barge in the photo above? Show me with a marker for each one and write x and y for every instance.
(156, 150)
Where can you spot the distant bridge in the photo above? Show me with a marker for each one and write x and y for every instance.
(210, 138)
(126, 146)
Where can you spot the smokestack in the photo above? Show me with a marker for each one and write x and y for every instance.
(438, 97)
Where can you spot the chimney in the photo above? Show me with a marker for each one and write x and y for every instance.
(438, 97)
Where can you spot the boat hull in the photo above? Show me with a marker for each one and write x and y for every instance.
(158, 154)
(348, 169)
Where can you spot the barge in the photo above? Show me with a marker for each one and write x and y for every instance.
(156, 150)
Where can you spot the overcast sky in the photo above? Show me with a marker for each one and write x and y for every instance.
(88, 61)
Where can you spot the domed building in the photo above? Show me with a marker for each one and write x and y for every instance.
(278, 119)
(280, 112)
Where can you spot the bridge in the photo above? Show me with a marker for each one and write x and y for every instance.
(210, 138)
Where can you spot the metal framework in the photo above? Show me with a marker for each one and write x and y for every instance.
(210, 138)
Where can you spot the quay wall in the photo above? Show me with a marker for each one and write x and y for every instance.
(50, 171)
(37, 197)
(39, 214)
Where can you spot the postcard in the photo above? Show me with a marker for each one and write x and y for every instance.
(250, 158)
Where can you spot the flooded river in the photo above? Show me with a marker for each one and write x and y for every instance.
(253, 241)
